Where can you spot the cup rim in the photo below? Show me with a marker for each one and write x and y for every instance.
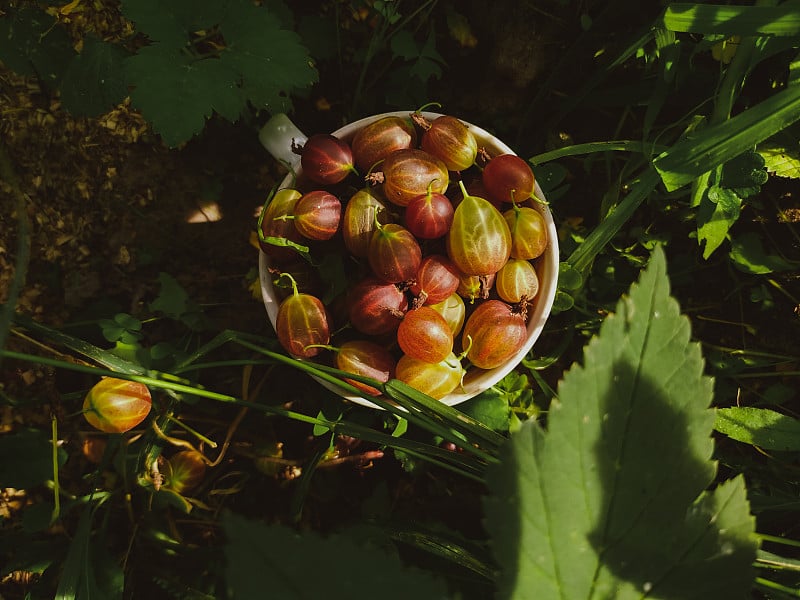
(546, 266)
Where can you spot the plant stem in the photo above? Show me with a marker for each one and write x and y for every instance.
(56, 486)
(8, 174)
(194, 432)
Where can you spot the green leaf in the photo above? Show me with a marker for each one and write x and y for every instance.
(268, 557)
(94, 80)
(270, 61)
(27, 554)
(549, 176)
(103, 357)
(176, 92)
(156, 20)
(174, 302)
(781, 154)
(569, 278)
(748, 255)
(32, 43)
(730, 20)
(705, 149)
(122, 328)
(89, 571)
(745, 174)
(760, 427)
(719, 210)
(172, 299)
(490, 407)
(26, 459)
(403, 45)
(605, 503)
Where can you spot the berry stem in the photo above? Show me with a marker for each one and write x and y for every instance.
(324, 347)
(295, 291)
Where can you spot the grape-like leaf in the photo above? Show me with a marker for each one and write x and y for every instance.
(609, 502)
(176, 92)
(267, 557)
(270, 61)
(94, 80)
(178, 83)
(32, 44)
(156, 20)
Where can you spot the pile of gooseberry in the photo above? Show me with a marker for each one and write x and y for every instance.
(436, 239)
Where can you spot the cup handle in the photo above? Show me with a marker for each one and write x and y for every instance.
(277, 136)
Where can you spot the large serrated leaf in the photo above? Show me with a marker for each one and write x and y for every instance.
(31, 44)
(270, 60)
(176, 93)
(264, 557)
(94, 80)
(605, 503)
(151, 18)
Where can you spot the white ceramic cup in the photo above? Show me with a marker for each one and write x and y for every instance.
(277, 137)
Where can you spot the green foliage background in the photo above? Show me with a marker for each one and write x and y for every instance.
(614, 461)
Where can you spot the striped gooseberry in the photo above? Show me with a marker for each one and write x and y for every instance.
(394, 253)
(379, 139)
(517, 280)
(429, 216)
(425, 335)
(276, 226)
(363, 212)
(479, 241)
(508, 178)
(375, 307)
(116, 405)
(302, 323)
(493, 333)
(410, 173)
(437, 278)
(317, 215)
(326, 159)
(453, 310)
(449, 140)
(528, 231)
(434, 379)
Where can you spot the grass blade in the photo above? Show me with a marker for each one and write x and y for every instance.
(102, 357)
(594, 243)
(729, 20)
(472, 429)
(715, 145)
(577, 149)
